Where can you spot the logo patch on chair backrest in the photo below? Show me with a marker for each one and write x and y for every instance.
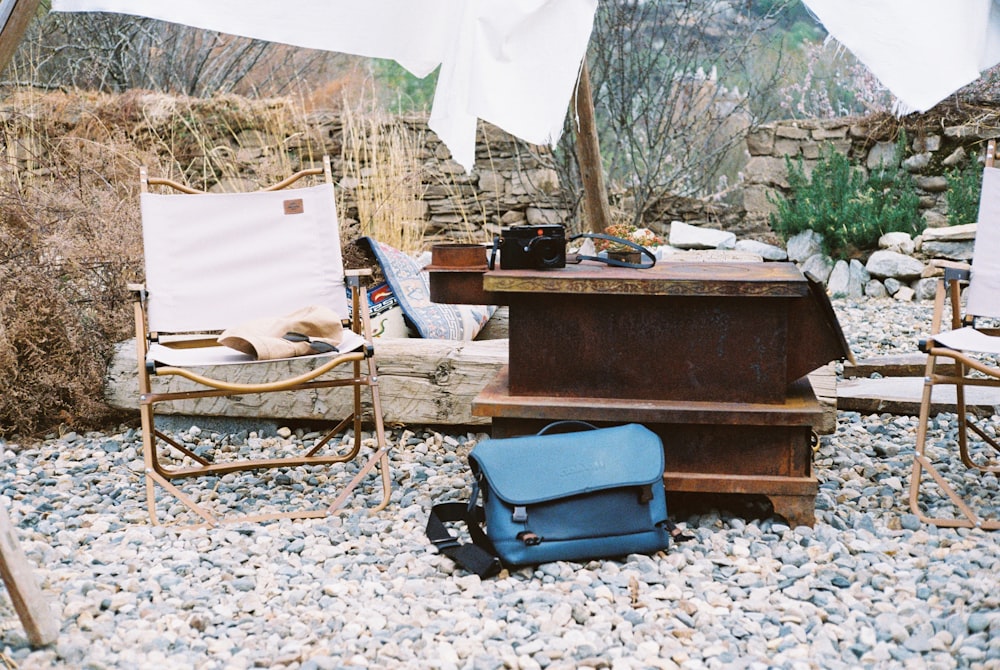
(294, 206)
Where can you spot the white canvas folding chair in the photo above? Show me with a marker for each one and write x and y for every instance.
(964, 354)
(214, 261)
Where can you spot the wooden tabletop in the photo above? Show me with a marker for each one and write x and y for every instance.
(765, 280)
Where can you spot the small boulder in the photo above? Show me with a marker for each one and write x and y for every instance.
(925, 289)
(768, 252)
(885, 263)
(686, 236)
(818, 266)
(802, 246)
(875, 289)
(901, 242)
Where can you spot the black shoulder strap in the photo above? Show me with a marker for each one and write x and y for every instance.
(478, 557)
(611, 261)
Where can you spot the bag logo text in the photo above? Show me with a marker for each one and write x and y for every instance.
(580, 468)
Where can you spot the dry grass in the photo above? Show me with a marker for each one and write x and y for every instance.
(382, 167)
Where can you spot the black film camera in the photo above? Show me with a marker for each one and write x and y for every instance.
(532, 247)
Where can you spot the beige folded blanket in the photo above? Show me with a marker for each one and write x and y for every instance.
(309, 330)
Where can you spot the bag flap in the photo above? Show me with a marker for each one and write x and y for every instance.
(537, 468)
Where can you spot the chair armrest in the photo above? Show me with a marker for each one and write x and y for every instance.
(358, 278)
(957, 272)
(138, 292)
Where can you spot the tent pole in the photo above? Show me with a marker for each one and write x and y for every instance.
(596, 211)
(13, 30)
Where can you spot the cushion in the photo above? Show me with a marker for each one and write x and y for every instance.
(411, 285)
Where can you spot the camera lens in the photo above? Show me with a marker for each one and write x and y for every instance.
(546, 251)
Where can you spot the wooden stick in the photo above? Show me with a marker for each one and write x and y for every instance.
(33, 609)
(596, 209)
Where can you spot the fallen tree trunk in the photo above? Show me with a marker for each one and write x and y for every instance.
(420, 381)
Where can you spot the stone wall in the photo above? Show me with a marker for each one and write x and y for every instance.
(231, 143)
(934, 145)
(511, 183)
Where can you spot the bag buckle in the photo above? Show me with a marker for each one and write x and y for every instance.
(529, 538)
(443, 543)
(520, 514)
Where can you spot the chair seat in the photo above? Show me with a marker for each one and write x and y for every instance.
(203, 356)
(969, 339)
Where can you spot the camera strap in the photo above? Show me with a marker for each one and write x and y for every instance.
(493, 251)
(612, 261)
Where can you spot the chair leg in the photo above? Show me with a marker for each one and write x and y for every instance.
(921, 464)
(381, 455)
(157, 475)
(154, 471)
(994, 467)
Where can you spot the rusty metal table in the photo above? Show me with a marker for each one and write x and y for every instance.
(711, 356)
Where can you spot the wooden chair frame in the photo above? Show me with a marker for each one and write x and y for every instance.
(959, 369)
(363, 374)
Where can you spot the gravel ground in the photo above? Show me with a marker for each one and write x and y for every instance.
(868, 586)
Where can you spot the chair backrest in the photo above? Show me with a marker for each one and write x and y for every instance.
(217, 260)
(983, 296)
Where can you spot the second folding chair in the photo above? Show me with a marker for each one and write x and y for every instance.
(962, 354)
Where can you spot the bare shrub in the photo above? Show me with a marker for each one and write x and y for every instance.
(69, 242)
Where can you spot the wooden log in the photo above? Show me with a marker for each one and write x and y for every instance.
(40, 624)
(588, 152)
(420, 382)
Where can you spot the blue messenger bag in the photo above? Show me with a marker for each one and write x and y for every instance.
(576, 496)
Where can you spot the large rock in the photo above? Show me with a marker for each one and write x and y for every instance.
(925, 289)
(953, 251)
(761, 142)
(421, 382)
(802, 246)
(961, 233)
(932, 184)
(848, 280)
(840, 278)
(934, 220)
(686, 236)
(859, 278)
(882, 154)
(819, 266)
(875, 289)
(884, 263)
(768, 252)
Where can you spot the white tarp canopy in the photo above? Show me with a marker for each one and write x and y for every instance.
(513, 63)
(921, 50)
